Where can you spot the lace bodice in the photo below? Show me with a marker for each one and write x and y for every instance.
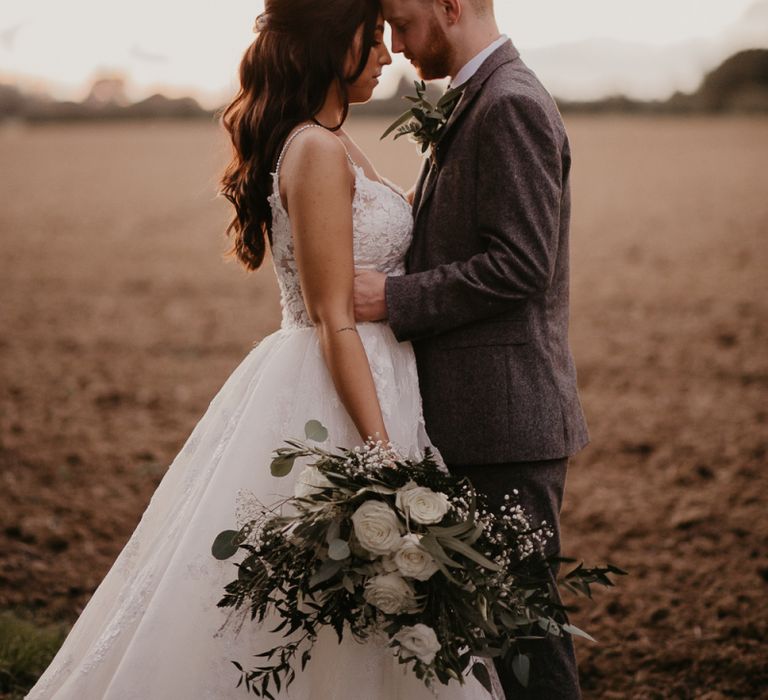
(381, 231)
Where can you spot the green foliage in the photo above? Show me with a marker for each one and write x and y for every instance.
(26, 649)
(423, 121)
(581, 580)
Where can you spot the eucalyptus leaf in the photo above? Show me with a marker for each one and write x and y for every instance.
(453, 530)
(550, 626)
(225, 545)
(338, 550)
(383, 490)
(482, 606)
(327, 571)
(521, 667)
(449, 96)
(468, 552)
(576, 632)
(474, 535)
(334, 530)
(480, 672)
(402, 119)
(282, 465)
(315, 430)
(430, 543)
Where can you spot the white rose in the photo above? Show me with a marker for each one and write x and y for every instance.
(390, 593)
(414, 561)
(422, 505)
(419, 641)
(309, 481)
(376, 527)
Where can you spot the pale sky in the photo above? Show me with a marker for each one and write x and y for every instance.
(194, 48)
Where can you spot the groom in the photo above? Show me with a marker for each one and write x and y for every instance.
(485, 300)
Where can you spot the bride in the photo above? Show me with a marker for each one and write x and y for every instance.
(152, 630)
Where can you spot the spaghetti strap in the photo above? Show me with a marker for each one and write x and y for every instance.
(292, 136)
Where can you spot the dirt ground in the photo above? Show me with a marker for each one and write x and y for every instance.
(119, 321)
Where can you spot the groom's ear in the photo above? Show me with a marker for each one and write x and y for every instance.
(451, 10)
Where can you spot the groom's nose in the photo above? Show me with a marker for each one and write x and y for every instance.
(397, 45)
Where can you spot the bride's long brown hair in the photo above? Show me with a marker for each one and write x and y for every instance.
(285, 74)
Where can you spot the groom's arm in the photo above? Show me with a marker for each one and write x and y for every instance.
(518, 196)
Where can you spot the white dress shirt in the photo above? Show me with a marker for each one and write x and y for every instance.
(474, 64)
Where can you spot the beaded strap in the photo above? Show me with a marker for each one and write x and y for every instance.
(290, 139)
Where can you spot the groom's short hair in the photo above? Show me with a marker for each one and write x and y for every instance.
(482, 7)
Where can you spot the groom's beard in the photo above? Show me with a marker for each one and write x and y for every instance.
(436, 60)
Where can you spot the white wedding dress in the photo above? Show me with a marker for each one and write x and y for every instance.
(152, 630)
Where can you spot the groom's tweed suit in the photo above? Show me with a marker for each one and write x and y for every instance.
(485, 302)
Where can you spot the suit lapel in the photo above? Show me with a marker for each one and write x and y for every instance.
(420, 185)
(504, 54)
(428, 185)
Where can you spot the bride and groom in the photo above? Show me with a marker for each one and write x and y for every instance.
(469, 271)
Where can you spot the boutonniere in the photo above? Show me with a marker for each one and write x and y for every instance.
(424, 122)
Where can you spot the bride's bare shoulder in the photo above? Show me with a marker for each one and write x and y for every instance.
(316, 149)
(315, 159)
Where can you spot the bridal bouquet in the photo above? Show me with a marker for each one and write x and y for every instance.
(378, 546)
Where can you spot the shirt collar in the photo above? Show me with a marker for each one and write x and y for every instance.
(469, 69)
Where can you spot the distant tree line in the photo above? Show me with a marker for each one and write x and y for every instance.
(106, 100)
(738, 85)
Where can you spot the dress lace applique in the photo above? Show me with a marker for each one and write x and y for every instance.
(381, 232)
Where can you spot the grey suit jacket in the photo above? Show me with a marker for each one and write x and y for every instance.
(485, 297)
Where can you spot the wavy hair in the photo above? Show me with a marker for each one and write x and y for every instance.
(299, 52)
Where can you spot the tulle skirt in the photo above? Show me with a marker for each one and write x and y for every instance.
(152, 630)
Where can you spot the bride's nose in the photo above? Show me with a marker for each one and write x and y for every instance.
(386, 57)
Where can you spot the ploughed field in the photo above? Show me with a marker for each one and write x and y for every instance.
(119, 321)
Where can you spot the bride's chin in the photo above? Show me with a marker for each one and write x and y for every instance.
(360, 99)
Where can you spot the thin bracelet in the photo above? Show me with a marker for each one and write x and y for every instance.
(348, 328)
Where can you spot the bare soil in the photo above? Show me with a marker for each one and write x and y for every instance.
(119, 320)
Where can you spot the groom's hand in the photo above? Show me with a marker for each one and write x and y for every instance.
(370, 304)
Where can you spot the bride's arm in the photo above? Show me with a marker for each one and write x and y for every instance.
(320, 200)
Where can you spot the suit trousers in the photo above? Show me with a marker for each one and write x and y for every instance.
(554, 672)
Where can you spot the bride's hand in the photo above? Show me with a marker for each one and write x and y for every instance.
(369, 300)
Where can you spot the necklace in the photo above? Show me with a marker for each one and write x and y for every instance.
(330, 128)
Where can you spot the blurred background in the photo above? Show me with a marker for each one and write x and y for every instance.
(120, 318)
